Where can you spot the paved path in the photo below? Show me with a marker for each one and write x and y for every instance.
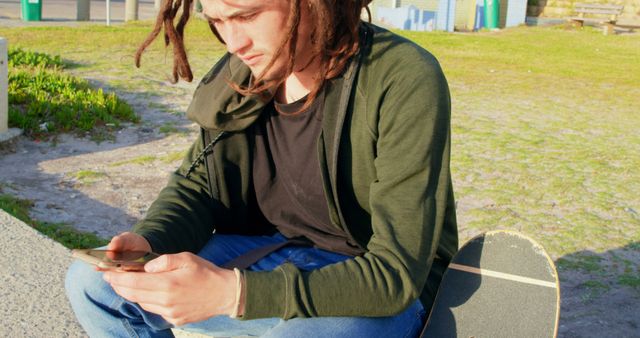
(32, 270)
(63, 12)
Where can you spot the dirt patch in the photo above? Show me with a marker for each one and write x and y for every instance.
(101, 188)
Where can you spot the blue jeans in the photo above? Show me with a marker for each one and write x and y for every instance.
(102, 313)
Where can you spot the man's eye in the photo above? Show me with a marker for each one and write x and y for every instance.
(247, 17)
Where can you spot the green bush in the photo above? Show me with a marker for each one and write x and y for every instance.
(19, 57)
(43, 100)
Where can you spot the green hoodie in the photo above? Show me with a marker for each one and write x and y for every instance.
(384, 153)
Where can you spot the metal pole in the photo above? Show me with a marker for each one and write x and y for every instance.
(108, 12)
(130, 10)
(4, 86)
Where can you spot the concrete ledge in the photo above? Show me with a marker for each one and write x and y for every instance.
(32, 284)
(9, 134)
(32, 270)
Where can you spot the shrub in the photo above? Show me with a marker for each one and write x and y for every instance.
(43, 100)
(20, 57)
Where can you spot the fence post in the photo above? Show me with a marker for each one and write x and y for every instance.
(5, 133)
(130, 10)
(108, 12)
(4, 86)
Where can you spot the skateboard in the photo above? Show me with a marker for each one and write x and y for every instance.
(499, 284)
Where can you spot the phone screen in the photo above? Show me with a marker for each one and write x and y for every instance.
(122, 260)
(122, 256)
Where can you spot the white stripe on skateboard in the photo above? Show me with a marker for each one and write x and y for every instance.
(502, 275)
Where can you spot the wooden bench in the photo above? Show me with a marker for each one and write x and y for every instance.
(603, 14)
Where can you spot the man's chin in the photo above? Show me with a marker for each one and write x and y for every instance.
(271, 75)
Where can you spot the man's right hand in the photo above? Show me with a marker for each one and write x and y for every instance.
(129, 241)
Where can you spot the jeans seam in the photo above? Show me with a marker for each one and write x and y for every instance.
(117, 303)
(129, 328)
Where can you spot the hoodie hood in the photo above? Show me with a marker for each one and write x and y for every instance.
(217, 106)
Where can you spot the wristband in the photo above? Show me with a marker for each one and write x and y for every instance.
(239, 287)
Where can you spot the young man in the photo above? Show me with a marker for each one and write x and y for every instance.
(315, 126)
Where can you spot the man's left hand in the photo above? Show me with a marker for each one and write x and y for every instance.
(182, 288)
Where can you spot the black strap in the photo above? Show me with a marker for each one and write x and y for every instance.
(250, 257)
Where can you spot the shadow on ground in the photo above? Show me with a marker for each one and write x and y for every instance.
(103, 188)
(600, 292)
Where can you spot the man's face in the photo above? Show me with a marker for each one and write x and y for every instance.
(254, 29)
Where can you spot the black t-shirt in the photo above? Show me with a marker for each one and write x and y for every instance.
(287, 178)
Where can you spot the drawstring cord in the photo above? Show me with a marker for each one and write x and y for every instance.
(200, 158)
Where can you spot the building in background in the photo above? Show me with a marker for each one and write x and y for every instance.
(443, 15)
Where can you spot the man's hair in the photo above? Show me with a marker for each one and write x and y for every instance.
(334, 37)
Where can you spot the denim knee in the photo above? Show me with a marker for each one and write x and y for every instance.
(83, 283)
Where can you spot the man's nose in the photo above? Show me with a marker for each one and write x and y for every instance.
(236, 39)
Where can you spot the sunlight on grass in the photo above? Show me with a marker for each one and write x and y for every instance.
(88, 176)
(141, 160)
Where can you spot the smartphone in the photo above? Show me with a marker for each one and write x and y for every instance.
(115, 260)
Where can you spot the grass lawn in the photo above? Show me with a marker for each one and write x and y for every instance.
(545, 124)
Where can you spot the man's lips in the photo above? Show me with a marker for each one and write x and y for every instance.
(251, 60)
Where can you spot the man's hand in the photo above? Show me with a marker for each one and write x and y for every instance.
(182, 288)
(129, 241)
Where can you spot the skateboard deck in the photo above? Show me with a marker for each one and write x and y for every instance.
(499, 284)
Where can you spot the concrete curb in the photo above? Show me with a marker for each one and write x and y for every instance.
(32, 284)
(32, 272)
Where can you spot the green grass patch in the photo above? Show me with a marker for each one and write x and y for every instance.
(631, 280)
(62, 233)
(593, 289)
(44, 101)
(174, 156)
(168, 128)
(88, 176)
(146, 159)
(140, 160)
(585, 263)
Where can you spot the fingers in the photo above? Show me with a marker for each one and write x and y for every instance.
(136, 280)
(117, 243)
(154, 279)
(169, 314)
(166, 263)
(156, 302)
(159, 298)
(128, 241)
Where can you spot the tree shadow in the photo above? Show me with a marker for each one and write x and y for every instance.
(600, 292)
